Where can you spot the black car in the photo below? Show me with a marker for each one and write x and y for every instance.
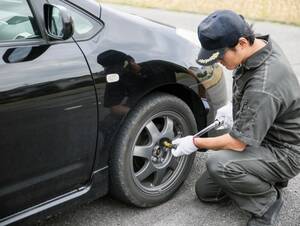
(88, 95)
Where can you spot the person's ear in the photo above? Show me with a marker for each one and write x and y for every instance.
(243, 43)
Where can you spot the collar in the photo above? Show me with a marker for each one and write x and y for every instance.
(259, 57)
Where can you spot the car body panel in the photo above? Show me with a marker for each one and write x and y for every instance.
(58, 117)
(48, 123)
(42, 112)
(132, 34)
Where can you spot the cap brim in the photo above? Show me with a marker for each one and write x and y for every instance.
(209, 57)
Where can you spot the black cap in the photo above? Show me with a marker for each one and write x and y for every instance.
(218, 31)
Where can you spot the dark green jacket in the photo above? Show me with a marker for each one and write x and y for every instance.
(266, 100)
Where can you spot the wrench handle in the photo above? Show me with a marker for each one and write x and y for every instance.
(214, 125)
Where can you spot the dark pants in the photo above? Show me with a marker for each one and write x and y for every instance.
(247, 177)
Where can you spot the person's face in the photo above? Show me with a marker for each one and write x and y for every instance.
(235, 56)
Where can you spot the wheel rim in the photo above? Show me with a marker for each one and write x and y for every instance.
(153, 167)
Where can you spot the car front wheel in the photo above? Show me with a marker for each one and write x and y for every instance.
(143, 172)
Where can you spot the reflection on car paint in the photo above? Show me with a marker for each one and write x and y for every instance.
(23, 54)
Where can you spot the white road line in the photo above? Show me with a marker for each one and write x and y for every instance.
(72, 108)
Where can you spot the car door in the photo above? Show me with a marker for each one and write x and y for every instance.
(48, 111)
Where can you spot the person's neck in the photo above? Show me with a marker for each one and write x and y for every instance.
(257, 45)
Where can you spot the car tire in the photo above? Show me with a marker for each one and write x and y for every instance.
(142, 172)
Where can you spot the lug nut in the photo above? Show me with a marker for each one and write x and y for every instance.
(154, 159)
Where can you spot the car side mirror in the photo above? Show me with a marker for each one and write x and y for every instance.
(58, 22)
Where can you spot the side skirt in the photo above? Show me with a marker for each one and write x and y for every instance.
(97, 188)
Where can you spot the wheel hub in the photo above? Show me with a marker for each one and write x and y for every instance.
(160, 154)
(157, 152)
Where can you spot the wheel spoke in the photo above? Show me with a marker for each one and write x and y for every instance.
(153, 131)
(143, 151)
(159, 176)
(168, 128)
(145, 171)
(154, 169)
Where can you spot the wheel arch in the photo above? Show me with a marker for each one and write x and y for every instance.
(190, 98)
(182, 92)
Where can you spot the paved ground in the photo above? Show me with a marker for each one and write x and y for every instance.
(184, 208)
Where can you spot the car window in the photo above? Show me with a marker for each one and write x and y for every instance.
(17, 21)
(85, 27)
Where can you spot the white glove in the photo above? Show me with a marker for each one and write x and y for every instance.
(185, 146)
(224, 114)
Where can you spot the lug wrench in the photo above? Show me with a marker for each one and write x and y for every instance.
(216, 124)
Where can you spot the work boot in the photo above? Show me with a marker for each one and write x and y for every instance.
(270, 216)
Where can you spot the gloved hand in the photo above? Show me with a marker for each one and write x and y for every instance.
(224, 114)
(185, 146)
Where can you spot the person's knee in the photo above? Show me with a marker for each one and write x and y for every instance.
(215, 164)
(208, 191)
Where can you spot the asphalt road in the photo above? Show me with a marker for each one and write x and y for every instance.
(184, 208)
